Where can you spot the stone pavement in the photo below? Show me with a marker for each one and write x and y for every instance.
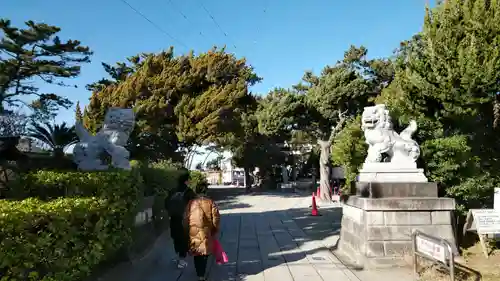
(271, 237)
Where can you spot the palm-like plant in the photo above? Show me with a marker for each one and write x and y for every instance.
(56, 136)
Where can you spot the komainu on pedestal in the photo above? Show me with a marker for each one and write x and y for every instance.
(391, 156)
(112, 139)
(393, 198)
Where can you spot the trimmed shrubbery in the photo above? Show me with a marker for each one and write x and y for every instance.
(43, 238)
(62, 225)
(160, 178)
(198, 181)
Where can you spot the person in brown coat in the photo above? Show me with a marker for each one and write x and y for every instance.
(202, 220)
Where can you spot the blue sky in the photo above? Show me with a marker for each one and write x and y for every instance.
(280, 38)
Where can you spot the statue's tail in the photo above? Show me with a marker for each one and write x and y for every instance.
(407, 133)
(81, 132)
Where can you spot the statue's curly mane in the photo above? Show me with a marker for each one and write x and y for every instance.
(384, 120)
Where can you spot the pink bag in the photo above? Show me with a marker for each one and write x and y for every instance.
(220, 255)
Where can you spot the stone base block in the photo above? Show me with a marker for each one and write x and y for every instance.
(377, 232)
(391, 172)
(396, 189)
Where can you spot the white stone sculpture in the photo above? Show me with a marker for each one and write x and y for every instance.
(401, 150)
(382, 139)
(112, 138)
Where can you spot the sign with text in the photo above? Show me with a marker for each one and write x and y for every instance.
(487, 221)
(431, 249)
(436, 249)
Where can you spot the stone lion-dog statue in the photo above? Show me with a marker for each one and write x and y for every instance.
(111, 139)
(384, 141)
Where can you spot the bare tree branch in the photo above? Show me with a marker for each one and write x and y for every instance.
(338, 126)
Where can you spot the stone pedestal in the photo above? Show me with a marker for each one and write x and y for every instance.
(391, 172)
(378, 222)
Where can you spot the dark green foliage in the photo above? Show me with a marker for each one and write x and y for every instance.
(36, 53)
(474, 192)
(78, 113)
(56, 136)
(250, 146)
(346, 87)
(198, 182)
(447, 80)
(180, 101)
(159, 178)
(162, 178)
(66, 238)
(49, 185)
(278, 114)
(118, 73)
(349, 151)
(320, 104)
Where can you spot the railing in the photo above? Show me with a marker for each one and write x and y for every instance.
(435, 249)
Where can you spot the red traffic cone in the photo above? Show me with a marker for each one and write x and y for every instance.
(314, 210)
(318, 191)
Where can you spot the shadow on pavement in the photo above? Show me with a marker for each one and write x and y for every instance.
(277, 244)
(227, 197)
(282, 245)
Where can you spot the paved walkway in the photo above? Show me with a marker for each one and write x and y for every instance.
(270, 237)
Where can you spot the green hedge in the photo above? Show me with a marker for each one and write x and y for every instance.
(66, 238)
(65, 224)
(198, 181)
(48, 185)
(161, 178)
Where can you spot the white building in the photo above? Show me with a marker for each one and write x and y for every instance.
(231, 174)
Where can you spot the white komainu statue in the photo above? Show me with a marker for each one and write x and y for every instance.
(112, 138)
(382, 139)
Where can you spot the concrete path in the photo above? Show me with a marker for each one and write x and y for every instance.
(271, 237)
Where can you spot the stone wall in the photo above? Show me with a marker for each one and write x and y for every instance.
(377, 232)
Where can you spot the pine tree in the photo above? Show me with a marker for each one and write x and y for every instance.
(321, 104)
(447, 79)
(36, 53)
(118, 73)
(78, 113)
(180, 102)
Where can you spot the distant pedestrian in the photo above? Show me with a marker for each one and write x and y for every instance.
(176, 206)
(202, 220)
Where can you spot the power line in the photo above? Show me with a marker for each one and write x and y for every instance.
(183, 15)
(154, 24)
(266, 4)
(216, 23)
(264, 10)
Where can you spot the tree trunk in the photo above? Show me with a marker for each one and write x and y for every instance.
(247, 180)
(324, 170)
(313, 174)
(284, 174)
(496, 111)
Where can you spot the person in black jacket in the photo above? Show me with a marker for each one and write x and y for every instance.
(176, 205)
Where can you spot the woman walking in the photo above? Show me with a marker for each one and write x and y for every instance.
(176, 206)
(202, 220)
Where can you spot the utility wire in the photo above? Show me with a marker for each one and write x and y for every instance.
(264, 9)
(215, 22)
(266, 4)
(183, 15)
(154, 24)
